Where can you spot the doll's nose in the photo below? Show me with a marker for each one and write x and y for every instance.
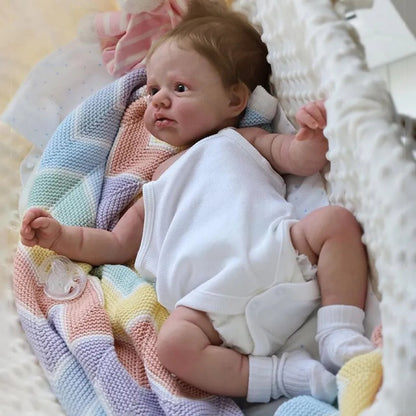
(161, 99)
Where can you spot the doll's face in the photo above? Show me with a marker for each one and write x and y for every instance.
(187, 99)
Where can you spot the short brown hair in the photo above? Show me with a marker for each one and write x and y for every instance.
(227, 39)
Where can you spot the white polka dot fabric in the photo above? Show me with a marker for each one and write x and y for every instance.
(56, 85)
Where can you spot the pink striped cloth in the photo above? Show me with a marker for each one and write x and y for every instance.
(125, 38)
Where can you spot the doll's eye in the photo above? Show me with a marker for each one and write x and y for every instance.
(151, 91)
(181, 87)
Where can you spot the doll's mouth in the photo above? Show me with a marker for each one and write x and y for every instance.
(163, 122)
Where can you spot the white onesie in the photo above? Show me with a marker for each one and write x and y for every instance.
(216, 237)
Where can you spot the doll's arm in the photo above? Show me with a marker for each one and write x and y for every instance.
(89, 245)
(301, 154)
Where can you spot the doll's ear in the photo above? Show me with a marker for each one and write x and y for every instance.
(239, 95)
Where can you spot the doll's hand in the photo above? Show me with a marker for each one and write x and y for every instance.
(39, 228)
(310, 146)
(312, 120)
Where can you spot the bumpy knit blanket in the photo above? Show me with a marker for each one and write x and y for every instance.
(98, 349)
(358, 382)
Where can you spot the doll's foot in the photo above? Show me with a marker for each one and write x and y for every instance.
(340, 335)
(299, 374)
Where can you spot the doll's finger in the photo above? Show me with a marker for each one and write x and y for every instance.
(33, 213)
(29, 242)
(28, 217)
(27, 233)
(40, 222)
(312, 115)
(28, 236)
(315, 112)
(320, 105)
(302, 134)
(304, 118)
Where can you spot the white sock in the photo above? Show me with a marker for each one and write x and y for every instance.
(340, 335)
(262, 374)
(296, 373)
(299, 374)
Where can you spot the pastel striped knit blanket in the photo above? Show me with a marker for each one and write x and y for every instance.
(98, 350)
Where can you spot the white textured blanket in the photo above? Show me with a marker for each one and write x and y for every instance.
(315, 54)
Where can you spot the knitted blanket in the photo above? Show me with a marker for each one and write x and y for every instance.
(96, 344)
(358, 382)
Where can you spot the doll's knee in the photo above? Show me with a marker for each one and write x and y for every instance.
(180, 342)
(169, 345)
(339, 220)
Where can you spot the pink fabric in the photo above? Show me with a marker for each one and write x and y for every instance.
(126, 38)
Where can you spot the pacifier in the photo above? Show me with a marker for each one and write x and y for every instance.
(61, 278)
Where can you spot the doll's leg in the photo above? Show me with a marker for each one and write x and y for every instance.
(189, 346)
(331, 238)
